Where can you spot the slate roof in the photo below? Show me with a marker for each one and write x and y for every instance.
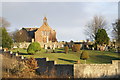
(31, 31)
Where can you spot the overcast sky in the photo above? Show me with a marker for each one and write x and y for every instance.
(67, 18)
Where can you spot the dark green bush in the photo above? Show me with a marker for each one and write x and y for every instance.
(33, 48)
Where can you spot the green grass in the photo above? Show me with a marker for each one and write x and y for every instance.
(98, 57)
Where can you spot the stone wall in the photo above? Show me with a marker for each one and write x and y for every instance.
(65, 70)
(81, 70)
(97, 70)
(50, 67)
(76, 70)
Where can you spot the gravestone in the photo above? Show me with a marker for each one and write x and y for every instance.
(50, 47)
(63, 45)
(22, 57)
(16, 54)
(106, 48)
(54, 47)
(11, 52)
(45, 47)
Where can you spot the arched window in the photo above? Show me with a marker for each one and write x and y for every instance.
(42, 32)
(48, 33)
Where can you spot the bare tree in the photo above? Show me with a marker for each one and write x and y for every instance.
(21, 36)
(98, 22)
(5, 38)
(4, 23)
(116, 30)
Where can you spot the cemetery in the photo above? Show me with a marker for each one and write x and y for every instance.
(73, 49)
(45, 58)
(107, 66)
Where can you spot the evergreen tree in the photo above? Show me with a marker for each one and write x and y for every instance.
(6, 39)
(101, 37)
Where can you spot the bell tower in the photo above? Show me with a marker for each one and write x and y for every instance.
(45, 21)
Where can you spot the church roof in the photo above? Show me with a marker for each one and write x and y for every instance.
(30, 29)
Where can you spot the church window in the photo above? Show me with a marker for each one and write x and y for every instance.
(48, 33)
(43, 32)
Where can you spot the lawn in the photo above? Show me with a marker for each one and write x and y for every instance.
(60, 57)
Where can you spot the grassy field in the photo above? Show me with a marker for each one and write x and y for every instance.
(72, 57)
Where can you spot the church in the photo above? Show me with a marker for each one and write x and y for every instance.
(43, 34)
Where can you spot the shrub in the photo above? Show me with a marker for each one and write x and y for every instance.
(66, 49)
(16, 69)
(84, 55)
(76, 47)
(33, 48)
(31, 63)
(11, 66)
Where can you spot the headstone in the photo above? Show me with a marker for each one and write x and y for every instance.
(87, 46)
(50, 47)
(62, 45)
(16, 54)
(11, 52)
(55, 62)
(106, 48)
(47, 59)
(15, 46)
(1, 47)
(45, 46)
(22, 57)
(4, 49)
(58, 46)
(54, 47)
(33, 40)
